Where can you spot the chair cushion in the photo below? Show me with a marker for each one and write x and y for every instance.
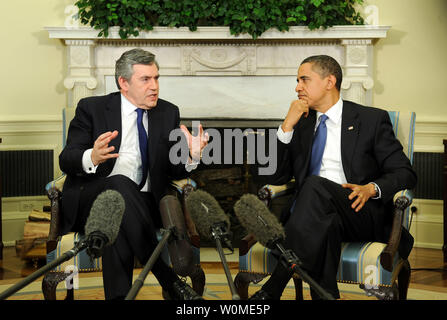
(359, 263)
(82, 260)
(258, 260)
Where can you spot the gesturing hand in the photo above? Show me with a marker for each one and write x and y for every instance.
(101, 150)
(196, 142)
(362, 193)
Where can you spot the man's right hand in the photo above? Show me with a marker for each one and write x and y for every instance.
(101, 150)
(296, 110)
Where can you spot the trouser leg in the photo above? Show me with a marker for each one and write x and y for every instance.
(321, 220)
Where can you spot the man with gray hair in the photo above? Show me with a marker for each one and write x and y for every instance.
(120, 141)
(347, 166)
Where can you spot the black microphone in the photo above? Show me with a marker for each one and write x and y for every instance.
(257, 219)
(179, 245)
(212, 222)
(103, 222)
(101, 229)
(175, 236)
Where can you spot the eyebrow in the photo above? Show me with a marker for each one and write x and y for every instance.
(146, 76)
(302, 78)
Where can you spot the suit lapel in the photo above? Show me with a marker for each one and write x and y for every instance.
(350, 127)
(112, 116)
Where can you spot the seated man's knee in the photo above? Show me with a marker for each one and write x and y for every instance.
(119, 181)
(314, 182)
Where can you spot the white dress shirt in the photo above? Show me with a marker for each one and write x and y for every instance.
(129, 161)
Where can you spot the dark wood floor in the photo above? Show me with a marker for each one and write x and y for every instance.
(428, 267)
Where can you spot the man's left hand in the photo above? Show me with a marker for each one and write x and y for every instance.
(362, 193)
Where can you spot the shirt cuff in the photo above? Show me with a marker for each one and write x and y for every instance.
(87, 164)
(284, 137)
(191, 165)
(379, 193)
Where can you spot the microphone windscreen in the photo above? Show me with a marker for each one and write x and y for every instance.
(257, 219)
(206, 212)
(106, 214)
(180, 250)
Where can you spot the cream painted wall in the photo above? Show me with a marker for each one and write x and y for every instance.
(411, 62)
(31, 63)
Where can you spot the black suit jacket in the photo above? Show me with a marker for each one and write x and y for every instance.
(96, 115)
(370, 152)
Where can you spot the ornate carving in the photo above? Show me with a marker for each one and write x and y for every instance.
(229, 58)
(80, 78)
(357, 55)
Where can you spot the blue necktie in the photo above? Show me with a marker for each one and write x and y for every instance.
(318, 145)
(142, 138)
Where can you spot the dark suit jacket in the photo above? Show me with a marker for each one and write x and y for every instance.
(96, 115)
(370, 152)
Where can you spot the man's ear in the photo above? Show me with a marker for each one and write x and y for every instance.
(331, 81)
(124, 84)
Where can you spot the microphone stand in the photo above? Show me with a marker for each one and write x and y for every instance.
(167, 234)
(79, 246)
(290, 260)
(219, 233)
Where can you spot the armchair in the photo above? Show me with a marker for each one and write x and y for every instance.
(58, 245)
(389, 275)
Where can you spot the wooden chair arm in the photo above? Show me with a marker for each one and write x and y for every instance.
(54, 195)
(387, 256)
(269, 191)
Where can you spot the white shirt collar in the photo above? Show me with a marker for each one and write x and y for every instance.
(126, 106)
(334, 112)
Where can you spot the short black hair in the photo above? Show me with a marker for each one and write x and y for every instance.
(325, 66)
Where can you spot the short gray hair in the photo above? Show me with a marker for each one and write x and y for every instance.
(124, 65)
(325, 66)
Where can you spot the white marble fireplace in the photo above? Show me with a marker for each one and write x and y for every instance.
(211, 74)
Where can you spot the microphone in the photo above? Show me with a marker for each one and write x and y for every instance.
(257, 219)
(179, 246)
(101, 229)
(175, 235)
(208, 216)
(103, 222)
(212, 222)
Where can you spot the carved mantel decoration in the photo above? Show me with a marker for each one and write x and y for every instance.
(211, 74)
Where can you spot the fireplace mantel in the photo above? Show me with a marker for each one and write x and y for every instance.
(210, 73)
(223, 33)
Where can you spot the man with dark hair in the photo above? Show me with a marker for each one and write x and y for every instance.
(121, 141)
(347, 165)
